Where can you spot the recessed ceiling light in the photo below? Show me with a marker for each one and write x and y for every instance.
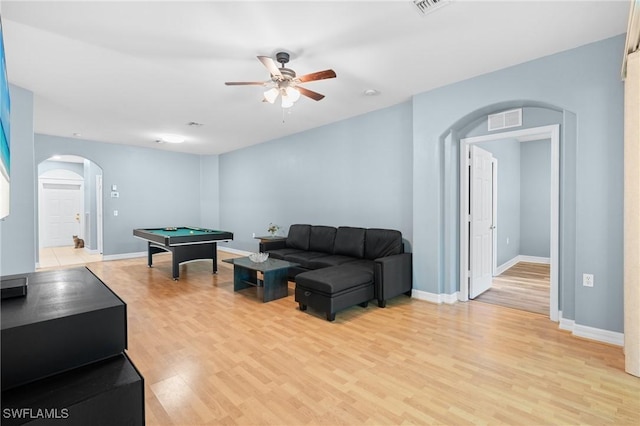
(371, 92)
(76, 134)
(171, 139)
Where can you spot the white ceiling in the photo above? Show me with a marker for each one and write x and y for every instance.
(126, 72)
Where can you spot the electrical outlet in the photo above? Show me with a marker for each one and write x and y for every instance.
(507, 240)
(587, 280)
(115, 212)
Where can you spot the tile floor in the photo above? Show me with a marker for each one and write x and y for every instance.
(52, 257)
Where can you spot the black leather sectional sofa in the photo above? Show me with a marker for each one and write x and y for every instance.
(344, 266)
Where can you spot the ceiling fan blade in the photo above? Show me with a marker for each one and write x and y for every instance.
(320, 75)
(310, 93)
(271, 66)
(245, 83)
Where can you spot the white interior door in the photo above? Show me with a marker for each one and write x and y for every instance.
(481, 229)
(62, 211)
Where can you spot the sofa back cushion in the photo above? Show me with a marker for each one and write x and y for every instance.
(349, 242)
(382, 242)
(298, 237)
(322, 238)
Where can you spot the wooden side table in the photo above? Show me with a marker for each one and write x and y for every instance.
(266, 238)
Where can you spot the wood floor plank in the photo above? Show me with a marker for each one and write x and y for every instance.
(212, 356)
(524, 286)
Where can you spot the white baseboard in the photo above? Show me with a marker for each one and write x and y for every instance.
(586, 332)
(91, 251)
(521, 258)
(234, 251)
(434, 298)
(124, 256)
(144, 253)
(506, 265)
(534, 259)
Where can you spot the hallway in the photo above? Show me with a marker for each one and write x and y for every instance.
(524, 286)
(55, 257)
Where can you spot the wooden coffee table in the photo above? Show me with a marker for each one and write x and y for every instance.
(274, 283)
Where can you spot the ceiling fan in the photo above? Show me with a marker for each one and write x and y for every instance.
(284, 81)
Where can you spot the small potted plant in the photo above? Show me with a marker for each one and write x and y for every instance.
(272, 229)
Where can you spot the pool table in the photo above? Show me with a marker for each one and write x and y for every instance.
(184, 243)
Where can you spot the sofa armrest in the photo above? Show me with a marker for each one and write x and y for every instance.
(272, 245)
(393, 276)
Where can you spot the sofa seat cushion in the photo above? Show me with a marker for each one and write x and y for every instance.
(327, 261)
(335, 280)
(281, 253)
(304, 257)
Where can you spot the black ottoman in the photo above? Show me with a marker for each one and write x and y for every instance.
(334, 288)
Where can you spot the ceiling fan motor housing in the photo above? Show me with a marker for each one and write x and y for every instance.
(282, 57)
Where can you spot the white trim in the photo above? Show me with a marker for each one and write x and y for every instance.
(506, 265)
(234, 251)
(90, 251)
(494, 213)
(591, 333)
(534, 259)
(107, 257)
(521, 258)
(544, 132)
(435, 298)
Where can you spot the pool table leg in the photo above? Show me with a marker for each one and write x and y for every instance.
(175, 268)
(214, 256)
(149, 256)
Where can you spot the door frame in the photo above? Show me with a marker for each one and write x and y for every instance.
(551, 132)
(43, 179)
(99, 215)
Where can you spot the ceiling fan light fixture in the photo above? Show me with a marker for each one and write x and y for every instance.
(286, 102)
(292, 94)
(271, 95)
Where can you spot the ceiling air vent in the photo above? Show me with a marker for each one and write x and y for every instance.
(504, 120)
(428, 6)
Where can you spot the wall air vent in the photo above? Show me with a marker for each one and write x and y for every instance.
(504, 120)
(427, 6)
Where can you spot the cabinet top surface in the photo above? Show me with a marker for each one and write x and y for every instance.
(56, 294)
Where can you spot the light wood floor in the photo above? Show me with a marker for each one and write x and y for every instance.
(212, 356)
(524, 286)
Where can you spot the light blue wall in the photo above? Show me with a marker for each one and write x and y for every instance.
(535, 198)
(507, 152)
(394, 168)
(48, 165)
(355, 172)
(157, 188)
(18, 229)
(209, 192)
(524, 198)
(584, 81)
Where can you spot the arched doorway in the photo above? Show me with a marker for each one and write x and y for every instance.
(69, 204)
(476, 121)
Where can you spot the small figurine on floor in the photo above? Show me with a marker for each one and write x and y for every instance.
(78, 242)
